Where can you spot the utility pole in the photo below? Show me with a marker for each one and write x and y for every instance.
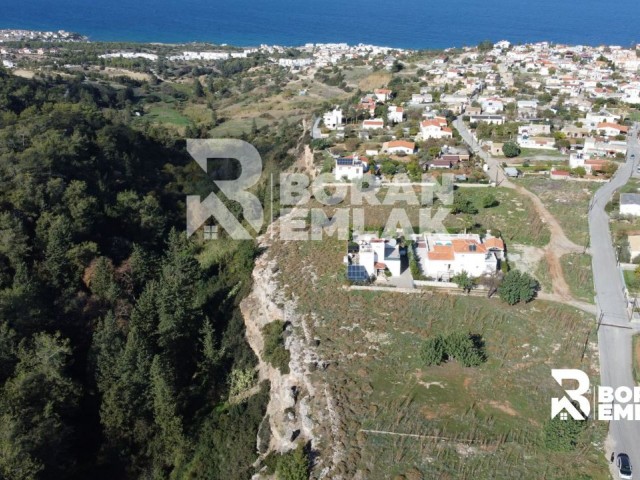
(600, 321)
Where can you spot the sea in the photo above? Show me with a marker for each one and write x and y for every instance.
(415, 24)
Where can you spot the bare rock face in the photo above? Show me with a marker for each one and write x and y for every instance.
(301, 408)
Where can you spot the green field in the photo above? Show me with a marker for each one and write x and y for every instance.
(514, 217)
(166, 114)
(471, 423)
(532, 153)
(578, 274)
(567, 201)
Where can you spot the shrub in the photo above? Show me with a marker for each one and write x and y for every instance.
(433, 352)
(293, 465)
(518, 287)
(465, 348)
(464, 281)
(511, 149)
(274, 351)
(489, 200)
(462, 204)
(562, 435)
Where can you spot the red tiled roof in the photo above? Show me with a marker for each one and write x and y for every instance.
(401, 143)
(441, 252)
(495, 242)
(614, 126)
(462, 246)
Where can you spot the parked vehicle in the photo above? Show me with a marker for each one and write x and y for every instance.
(623, 464)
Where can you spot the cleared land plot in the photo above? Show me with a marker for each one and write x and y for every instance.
(471, 423)
(513, 217)
(568, 202)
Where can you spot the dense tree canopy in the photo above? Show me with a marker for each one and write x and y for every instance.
(117, 340)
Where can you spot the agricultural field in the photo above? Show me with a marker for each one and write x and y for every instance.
(401, 419)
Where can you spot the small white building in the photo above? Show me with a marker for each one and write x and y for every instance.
(350, 168)
(383, 94)
(373, 124)
(584, 160)
(534, 129)
(333, 119)
(630, 204)
(376, 255)
(592, 119)
(611, 129)
(395, 114)
(492, 106)
(490, 119)
(395, 147)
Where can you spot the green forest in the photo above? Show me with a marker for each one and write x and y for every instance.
(117, 335)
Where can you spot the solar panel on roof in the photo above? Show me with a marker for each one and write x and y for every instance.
(357, 273)
(345, 161)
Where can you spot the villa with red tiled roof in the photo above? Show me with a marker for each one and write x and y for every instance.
(442, 256)
(435, 128)
(383, 94)
(612, 129)
(399, 146)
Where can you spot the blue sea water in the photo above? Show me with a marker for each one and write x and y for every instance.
(397, 23)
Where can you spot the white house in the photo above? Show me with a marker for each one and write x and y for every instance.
(631, 95)
(383, 94)
(610, 148)
(593, 119)
(534, 129)
(377, 254)
(492, 106)
(333, 119)
(442, 255)
(421, 98)
(350, 168)
(435, 128)
(581, 159)
(611, 129)
(395, 114)
(373, 124)
(491, 119)
(538, 143)
(630, 204)
(399, 146)
(527, 108)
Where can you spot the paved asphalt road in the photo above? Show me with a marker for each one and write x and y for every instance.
(614, 335)
(615, 332)
(495, 172)
(315, 130)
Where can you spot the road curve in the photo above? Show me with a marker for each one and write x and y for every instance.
(614, 335)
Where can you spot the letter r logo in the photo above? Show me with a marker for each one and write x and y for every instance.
(566, 404)
(198, 212)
